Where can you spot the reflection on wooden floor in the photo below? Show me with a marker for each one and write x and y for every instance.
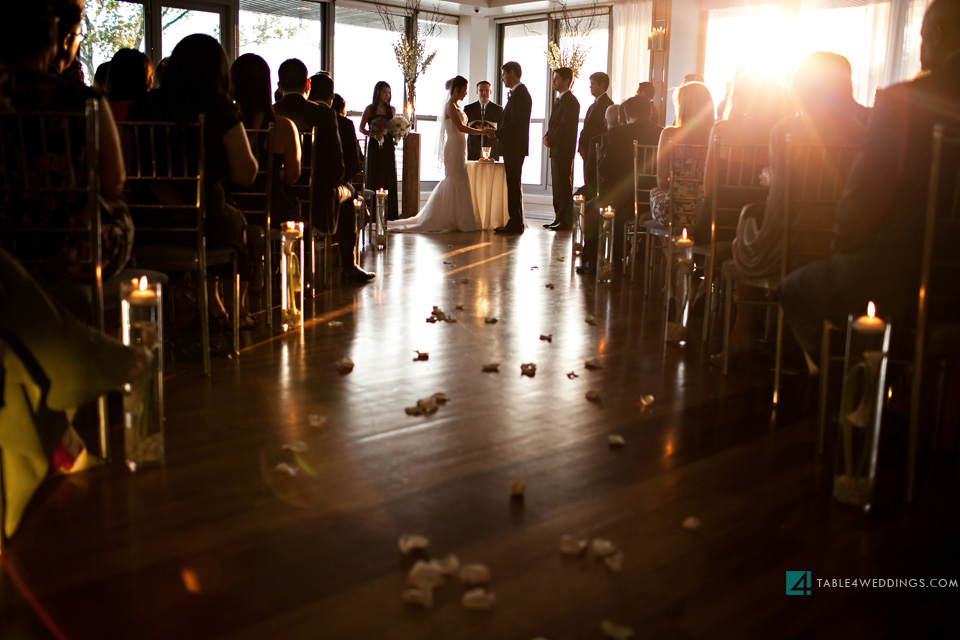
(219, 544)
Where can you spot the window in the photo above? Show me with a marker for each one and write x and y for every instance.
(278, 30)
(110, 25)
(432, 93)
(177, 23)
(526, 43)
(597, 44)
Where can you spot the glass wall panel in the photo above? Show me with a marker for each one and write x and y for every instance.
(597, 45)
(178, 23)
(526, 44)
(110, 25)
(278, 30)
(363, 55)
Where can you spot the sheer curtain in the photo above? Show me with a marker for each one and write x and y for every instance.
(631, 59)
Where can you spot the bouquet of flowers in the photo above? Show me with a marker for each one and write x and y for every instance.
(398, 127)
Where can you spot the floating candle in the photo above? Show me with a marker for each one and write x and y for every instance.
(684, 241)
(869, 324)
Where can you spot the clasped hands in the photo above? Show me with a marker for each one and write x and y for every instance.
(489, 132)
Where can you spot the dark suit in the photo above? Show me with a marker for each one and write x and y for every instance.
(562, 138)
(514, 137)
(476, 117)
(594, 124)
(880, 219)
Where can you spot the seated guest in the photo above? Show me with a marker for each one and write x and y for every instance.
(69, 16)
(197, 80)
(329, 183)
(755, 106)
(339, 105)
(757, 249)
(617, 178)
(27, 49)
(694, 108)
(647, 91)
(100, 77)
(251, 89)
(346, 233)
(879, 228)
(129, 79)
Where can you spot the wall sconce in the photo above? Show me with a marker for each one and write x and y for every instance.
(655, 39)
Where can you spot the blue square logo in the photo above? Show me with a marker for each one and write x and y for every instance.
(799, 583)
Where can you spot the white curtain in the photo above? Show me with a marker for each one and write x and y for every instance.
(632, 22)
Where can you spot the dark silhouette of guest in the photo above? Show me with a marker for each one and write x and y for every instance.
(129, 79)
(69, 14)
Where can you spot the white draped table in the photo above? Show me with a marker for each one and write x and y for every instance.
(488, 182)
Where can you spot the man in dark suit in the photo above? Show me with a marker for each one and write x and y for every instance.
(561, 139)
(330, 186)
(594, 124)
(480, 114)
(514, 137)
(879, 226)
(616, 177)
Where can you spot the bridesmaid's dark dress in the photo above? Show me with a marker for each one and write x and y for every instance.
(381, 168)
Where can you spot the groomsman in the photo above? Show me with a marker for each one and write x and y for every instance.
(561, 139)
(479, 114)
(514, 137)
(594, 124)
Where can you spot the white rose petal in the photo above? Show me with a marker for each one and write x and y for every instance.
(297, 447)
(410, 541)
(692, 523)
(478, 599)
(345, 365)
(425, 575)
(591, 321)
(613, 630)
(474, 574)
(316, 421)
(283, 467)
(614, 562)
(646, 400)
(615, 440)
(572, 545)
(419, 597)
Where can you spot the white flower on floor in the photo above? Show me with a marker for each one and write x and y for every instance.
(344, 365)
(615, 631)
(692, 523)
(572, 545)
(474, 574)
(284, 467)
(410, 541)
(615, 440)
(478, 599)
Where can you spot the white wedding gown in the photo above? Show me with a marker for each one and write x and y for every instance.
(450, 206)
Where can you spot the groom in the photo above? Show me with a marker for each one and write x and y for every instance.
(514, 137)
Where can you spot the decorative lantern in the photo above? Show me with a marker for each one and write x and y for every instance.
(381, 224)
(578, 225)
(681, 289)
(605, 246)
(141, 313)
(291, 275)
(861, 406)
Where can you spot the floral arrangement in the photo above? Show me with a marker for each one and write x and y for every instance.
(398, 127)
(413, 59)
(572, 55)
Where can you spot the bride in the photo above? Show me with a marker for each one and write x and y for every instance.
(450, 206)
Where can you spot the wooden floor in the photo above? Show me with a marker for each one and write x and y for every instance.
(219, 544)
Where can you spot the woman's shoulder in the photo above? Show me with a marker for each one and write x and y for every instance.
(35, 90)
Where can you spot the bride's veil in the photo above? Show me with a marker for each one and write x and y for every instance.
(442, 135)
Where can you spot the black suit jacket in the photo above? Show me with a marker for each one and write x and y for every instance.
(492, 113)
(514, 130)
(616, 163)
(330, 170)
(594, 123)
(351, 148)
(562, 130)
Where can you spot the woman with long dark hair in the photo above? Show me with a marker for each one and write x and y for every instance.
(197, 80)
(450, 206)
(251, 89)
(381, 169)
(129, 78)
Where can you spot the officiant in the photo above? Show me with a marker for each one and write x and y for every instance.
(480, 114)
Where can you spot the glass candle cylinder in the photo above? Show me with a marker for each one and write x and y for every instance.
(381, 231)
(605, 246)
(577, 224)
(681, 294)
(485, 152)
(141, 314)
(861, 407)
(291, 275)
(359, 222)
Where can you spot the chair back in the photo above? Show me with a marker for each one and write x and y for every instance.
(644, 177)
(687, 165)
(254, 200)
(165, 181)
(735, 183)
(49, 195)
(816, 175)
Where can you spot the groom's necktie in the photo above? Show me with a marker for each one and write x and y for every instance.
(557, 103)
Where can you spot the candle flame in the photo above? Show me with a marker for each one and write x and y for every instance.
(291, 225)
(684, 234)
(143, 283)
(871, 309)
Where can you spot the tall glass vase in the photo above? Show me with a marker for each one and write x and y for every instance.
(861, 407)
(578, 224)
(291, 275)
(605, 255)
(380, 240)
(141, 314)
(681, 294)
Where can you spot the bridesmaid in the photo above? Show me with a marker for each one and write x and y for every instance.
(381, 167)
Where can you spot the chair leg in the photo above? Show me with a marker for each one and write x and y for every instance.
(203, 304)
(327, 267)
(667, 290)
(104, 419)
(778, 358)
(727, 303)
(268, 279)
(708, 303)
(646, 263)
(236, 306)
(633, 252)
(824, 385)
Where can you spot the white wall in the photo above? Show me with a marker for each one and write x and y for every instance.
(684, 35)
(478, 51)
